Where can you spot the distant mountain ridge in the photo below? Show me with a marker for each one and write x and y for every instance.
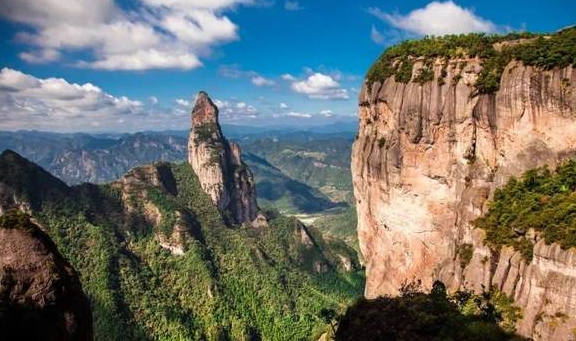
(161, 258)
(101, 158)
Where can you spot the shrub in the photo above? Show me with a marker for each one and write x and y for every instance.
(541, 200)
(543, 51)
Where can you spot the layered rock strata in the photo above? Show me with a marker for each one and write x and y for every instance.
(219, 166)
(426, 160)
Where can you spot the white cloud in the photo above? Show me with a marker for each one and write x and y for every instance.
(153, 100)
(145, 59)
(261, 81)
(320, 86)
(234, 71)
(54, 104)
(437, 18)
(183, 102)
(288, 77)
(235, 110)
(292, 6)
(283, 106)
(326, 113)
(12, 80)
(298, 115)
(40, 56)
(158, 34)
(376, 36)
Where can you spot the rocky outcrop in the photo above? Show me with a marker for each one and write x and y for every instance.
(219, 166)
(25, 185)
(41, 297)
(139, 188)
(428, 157)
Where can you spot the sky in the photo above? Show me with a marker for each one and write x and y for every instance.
(133, 65)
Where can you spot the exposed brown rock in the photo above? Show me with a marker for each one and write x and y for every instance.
(135, 194)
(427, 159)
(219, 166)
(41, 297)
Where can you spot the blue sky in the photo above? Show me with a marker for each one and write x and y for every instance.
(129, 65)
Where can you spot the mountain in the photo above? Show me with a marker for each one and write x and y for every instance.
(317, 160)
(78, 158)
(158, 259)
(277, 190)
(444, 123)
(40, 293)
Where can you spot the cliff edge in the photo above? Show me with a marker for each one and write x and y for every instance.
(436, 138)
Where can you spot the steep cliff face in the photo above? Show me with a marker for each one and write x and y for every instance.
(427, 158)
(218, 164)
(40, 294)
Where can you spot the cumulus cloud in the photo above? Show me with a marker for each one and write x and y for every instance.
(436, 18)
(54, 104)
(153, 100)
(283, 106)
(326, 113)
(183, 102)
(157, 34)
(232, 110)
(292, 6)
(320, 86)
(288, 77)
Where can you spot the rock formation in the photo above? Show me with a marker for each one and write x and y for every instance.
(219, 166)
(428, 157)
(41, 297)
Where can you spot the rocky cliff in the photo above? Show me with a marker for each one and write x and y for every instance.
(40, 294)
(429, 154)
(219, 166)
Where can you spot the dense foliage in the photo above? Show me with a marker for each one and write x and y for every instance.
(340, 225)
(321, 162)
(541, 200)
(416, 316)
(543, 51)
(230, 284)
(276, 189)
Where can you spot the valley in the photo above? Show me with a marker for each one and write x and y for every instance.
(161, 256)
(255, 170)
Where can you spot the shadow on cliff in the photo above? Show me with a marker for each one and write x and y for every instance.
(415, 316)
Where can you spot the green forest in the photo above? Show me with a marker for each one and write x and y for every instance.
(541, 200)
(232, 282)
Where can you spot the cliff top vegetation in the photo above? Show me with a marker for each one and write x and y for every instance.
(546, 51)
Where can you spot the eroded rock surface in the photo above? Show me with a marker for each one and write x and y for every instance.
(426, 160)
(41, 297)
(219, 166)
